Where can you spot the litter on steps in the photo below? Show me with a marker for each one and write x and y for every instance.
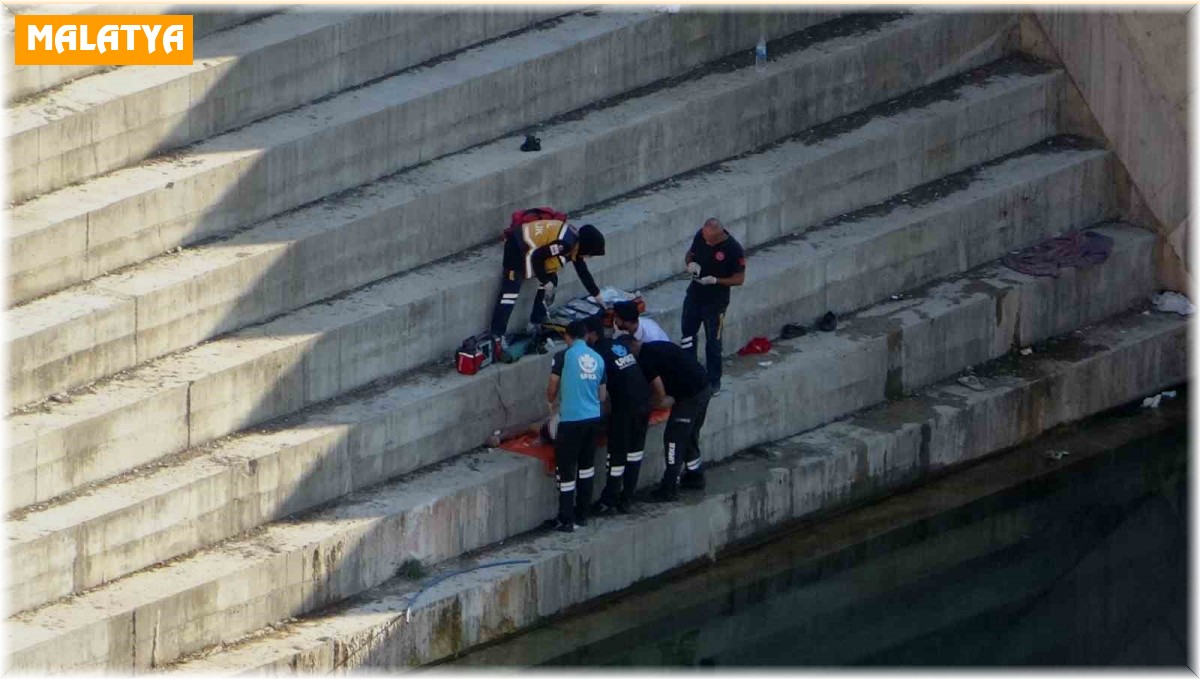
(1174, 303)
(1156, 400)
(1075, 249)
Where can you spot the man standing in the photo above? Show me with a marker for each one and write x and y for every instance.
(537, 244)
(675, 372)
(717, 263)
(578, 377)
(628, 420)
(627, 322)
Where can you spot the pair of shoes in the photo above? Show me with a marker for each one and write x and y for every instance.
(555, 524)
(664, 493)
(692, 481)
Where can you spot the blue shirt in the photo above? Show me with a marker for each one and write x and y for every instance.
(582, 373)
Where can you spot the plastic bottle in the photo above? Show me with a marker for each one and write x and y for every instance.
(760, 55)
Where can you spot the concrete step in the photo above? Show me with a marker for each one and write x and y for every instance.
(929, 535)
(305, 357)
(112, 323)
(113, 120)
(406, 622)
(213, 492)
(300, 565)
(22, 82)
(264, 169)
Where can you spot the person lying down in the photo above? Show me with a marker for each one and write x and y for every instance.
(546, 429)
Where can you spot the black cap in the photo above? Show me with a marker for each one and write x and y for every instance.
(577, 329)
(591, 241)
(595, 324)
(626, 311)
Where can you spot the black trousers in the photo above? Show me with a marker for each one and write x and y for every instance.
(681, 439)
(574, 467)
(626, 446)
(711, 315)
(513, 276)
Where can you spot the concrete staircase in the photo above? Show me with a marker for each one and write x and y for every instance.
(233, 407)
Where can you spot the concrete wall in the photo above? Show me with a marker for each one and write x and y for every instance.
(1130, 69)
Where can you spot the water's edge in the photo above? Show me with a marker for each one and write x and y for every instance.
(1013, 560)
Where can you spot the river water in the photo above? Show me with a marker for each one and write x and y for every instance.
(1018, 560)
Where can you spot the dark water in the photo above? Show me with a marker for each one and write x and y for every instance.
(1084, 566)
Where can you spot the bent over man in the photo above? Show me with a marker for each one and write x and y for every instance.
(538, 243)
(673, 371)
(628, 420)
(577, 382)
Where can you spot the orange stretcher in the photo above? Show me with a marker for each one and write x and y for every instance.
(531, 443)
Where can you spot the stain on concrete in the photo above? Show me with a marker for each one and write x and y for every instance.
(445, 637)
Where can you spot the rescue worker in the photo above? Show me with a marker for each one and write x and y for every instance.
(673, 371)
(717, 263)
(537, 243)
(577, 380)
(627, 321)
(628, 420)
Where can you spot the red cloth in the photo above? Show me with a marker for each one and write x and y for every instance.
(757, 345)
(531, 444)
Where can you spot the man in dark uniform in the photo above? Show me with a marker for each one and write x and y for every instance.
(628, 420)
(576, 390)
(717, 263)
(538, 243)
(675, 372)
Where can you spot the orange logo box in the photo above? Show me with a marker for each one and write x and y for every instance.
(103, 40)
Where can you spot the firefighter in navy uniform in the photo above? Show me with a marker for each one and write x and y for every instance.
(628, 419)
(537, 244)
(717, 263)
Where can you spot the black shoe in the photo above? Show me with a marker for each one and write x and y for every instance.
(664, 493)
(531, 143)
(623, 506)
(555, 524)
(792, 331)
(580, 521)
(692, 481)
(828, 322)
(601, 508)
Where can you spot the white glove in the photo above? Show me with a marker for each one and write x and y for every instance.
(708, 280)
(599, 300)
(693, 268)
(548, 290)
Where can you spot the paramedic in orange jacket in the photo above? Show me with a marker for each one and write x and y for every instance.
(537, 244)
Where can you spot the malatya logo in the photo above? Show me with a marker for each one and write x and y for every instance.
(103, 40)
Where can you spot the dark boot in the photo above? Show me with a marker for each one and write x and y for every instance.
(665, 492)
(692, 481)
